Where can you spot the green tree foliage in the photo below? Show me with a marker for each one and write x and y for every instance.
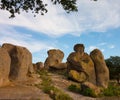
(36, 6)
(113, 64)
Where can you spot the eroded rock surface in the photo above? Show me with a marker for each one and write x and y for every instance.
(4, 67)
(54, 59)
(101, 70)
(82, 64)
(21, 61)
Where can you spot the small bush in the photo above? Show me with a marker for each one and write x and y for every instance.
(89, 92)
(74, 88)
(86, 92)
(112, 90)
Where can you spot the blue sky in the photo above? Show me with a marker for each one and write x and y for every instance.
(96, 25)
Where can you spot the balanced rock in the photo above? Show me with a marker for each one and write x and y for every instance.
(54, 59)
(4, 67)
(81, 63)
(101, 70)
(21, 61)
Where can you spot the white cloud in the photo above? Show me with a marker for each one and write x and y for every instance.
(92, 16)
(90, 48)
(9, 35)
(102, 44)
(111, 46)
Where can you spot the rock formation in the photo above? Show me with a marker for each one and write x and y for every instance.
(54, 59)
(38, 66)
(79, 63)
(21, 61)
(4, 67)
(88, 85)
(101, 70)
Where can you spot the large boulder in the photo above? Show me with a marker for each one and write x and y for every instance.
(21, 61)
(4, 67)
(101, 70)
(88, 86)
(76, 76)
(38, 66)
(81, 62)
(60, 66)
(54, 59)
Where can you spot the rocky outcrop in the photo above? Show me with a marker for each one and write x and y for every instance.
(54, 59)
(21, 61)
(4, 67)
(76, 76)
(101, 70)
(81, 63)
(38, 66)
(88, 85)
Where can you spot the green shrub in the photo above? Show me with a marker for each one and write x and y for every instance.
(88, 92)
(112, 90)
(74, 88)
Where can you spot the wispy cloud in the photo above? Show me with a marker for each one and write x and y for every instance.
(92, 16)
(9, 35)
(102, 44)
(90, 48)
(111, 46)
(97, 16)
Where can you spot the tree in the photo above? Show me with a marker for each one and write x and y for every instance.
(113, 64)
(36, 6)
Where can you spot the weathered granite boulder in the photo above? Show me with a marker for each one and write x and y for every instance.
(21, 61)
(88, 85)
(4, 67)
(60, 66)
(54, 59)
(76, 76)
(38, 66)
(101, 70)
(82, 63)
